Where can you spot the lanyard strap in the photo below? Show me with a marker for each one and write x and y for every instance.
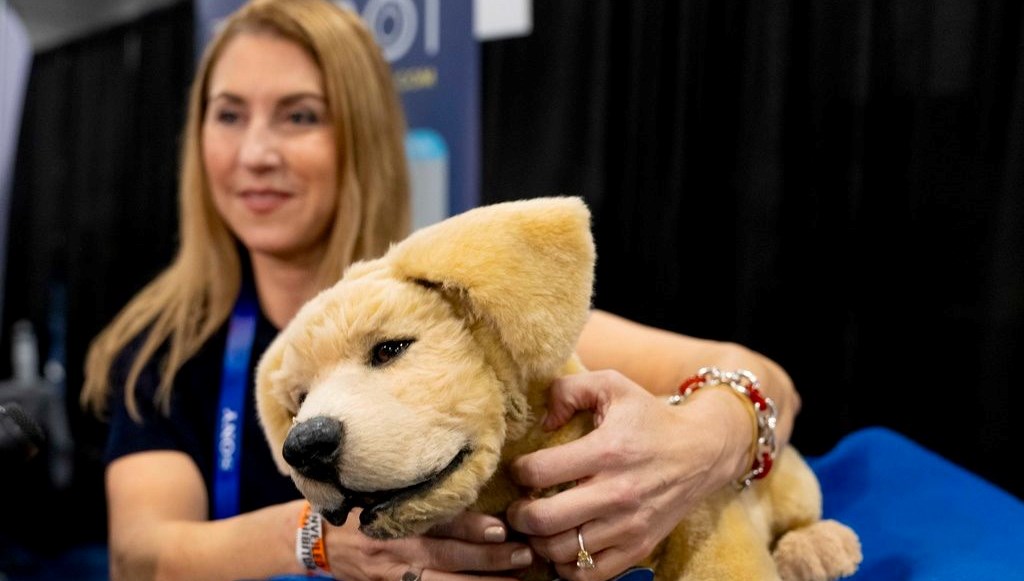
(231, 411)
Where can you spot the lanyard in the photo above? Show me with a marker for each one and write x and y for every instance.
(231, 411)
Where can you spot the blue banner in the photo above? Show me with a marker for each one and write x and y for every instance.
(435, 60)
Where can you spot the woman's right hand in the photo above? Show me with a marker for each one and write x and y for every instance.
(471, 545)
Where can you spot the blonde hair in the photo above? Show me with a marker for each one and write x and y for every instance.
(183, 306)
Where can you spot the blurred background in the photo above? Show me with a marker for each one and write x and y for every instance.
(837, 184)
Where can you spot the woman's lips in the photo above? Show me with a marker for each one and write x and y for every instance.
(263, 201)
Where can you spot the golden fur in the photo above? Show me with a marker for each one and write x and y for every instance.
(493, 301)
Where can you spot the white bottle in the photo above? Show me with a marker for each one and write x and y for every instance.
(24, 354)
(428, 171)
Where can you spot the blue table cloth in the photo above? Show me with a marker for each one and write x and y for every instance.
(919, 516)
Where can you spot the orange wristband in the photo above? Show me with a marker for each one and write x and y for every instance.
(310, 549)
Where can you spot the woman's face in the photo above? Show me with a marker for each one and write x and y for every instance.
(269, 148)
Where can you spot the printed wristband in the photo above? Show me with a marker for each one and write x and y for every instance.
(310, 549)
(744, 383)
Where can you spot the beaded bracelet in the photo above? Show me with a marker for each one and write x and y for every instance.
(744, 383)
(310, 549)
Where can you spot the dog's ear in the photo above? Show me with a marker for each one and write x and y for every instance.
(525, 267)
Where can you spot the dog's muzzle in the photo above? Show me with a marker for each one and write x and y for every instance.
(313, 448)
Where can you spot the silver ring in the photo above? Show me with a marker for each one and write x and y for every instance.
(583, 558)
(412, 575)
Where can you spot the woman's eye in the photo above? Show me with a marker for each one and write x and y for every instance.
(226, 117)
(384, 352)
(304, 117)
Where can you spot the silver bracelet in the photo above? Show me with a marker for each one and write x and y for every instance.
(745, 384)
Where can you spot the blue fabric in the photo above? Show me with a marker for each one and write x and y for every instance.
(919, 516)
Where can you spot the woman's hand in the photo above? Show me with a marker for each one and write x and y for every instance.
(641, 470)
(471, 543)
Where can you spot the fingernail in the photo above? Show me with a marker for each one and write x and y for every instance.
(494, 534)
(522, 558)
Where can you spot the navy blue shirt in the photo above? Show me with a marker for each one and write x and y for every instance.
(192, 421)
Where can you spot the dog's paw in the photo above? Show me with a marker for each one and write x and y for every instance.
(821, 551)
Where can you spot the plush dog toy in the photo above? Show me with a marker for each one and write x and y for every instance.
(408, 387)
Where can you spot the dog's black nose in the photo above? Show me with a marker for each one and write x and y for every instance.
(313, 447)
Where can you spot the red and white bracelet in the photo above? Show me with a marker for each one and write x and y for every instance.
(310, 549)
(744, 383)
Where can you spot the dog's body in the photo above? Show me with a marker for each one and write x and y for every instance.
(408, 387)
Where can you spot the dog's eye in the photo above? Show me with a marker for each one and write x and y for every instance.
(297, 396)
(384, 352)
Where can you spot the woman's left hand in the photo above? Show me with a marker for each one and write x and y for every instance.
(641, 470)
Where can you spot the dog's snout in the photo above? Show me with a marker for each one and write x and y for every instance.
(313, 446)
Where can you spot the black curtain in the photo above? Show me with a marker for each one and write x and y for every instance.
(93, 218)
(835, 184)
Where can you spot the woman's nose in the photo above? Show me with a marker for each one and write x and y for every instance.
(260, 148)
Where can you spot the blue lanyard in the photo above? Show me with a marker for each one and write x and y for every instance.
(231, 411)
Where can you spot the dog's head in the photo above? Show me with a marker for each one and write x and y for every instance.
(394, 391)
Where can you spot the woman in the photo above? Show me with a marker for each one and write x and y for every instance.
(293, 167)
